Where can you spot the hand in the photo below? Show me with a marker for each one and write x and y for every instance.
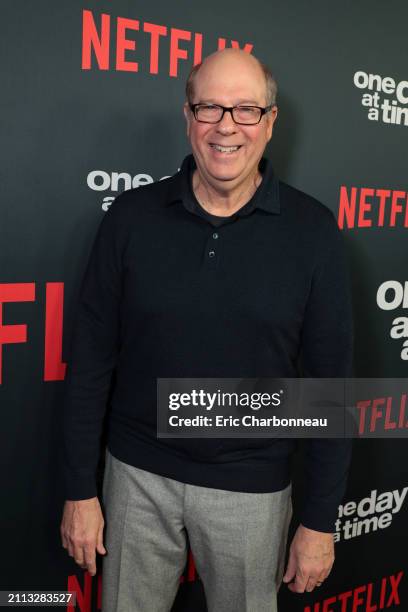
(311, 557)
(82, 532)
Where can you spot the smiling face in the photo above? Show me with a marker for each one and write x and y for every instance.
(229, 78)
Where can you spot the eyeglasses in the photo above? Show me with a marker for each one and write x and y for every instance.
(243, 115)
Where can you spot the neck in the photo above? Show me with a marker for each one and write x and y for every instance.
(224, 202)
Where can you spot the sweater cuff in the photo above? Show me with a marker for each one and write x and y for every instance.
(320, 516)
(79, 486)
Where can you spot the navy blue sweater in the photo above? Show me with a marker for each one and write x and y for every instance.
(170, 291)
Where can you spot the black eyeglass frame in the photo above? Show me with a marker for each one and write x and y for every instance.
(230, 109)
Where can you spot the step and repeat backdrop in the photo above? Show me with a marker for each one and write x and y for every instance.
(91, 105)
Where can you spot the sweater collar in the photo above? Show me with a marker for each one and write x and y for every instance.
(266, 197)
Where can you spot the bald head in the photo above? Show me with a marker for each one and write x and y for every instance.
(235, 63)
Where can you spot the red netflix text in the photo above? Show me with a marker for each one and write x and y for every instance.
(104, 38)
(369, 597)
(54, 368)
(382, 414)
(366, 207)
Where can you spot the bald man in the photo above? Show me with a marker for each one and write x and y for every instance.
(220, 271)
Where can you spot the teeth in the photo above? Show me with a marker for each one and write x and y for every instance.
(225, 149)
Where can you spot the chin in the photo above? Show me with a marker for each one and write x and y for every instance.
(225, 173)
(224, 176)
(228, 178)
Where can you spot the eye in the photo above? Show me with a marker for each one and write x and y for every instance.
(208, 107)
(248, 110)
(208, 112)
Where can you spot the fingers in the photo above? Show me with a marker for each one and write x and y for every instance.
(307, 568)
(90, 559)
(316, 580)
(322, 577)
(82, 532)
(327, 572)
(79, 555)
(312, 582)
(99, 542)
(291, 568)
(303, 583)
(300, 582)
(308, 581)
(85, 556)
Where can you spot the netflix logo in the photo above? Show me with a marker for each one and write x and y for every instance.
(382, 414)
(17, 333)
(129, 45)
(369, 597)
(368, 207)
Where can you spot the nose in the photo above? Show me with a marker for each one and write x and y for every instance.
(227, 125)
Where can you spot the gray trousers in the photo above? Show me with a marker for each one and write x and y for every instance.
(238, 542)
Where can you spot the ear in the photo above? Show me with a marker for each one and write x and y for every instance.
(187, 115)
(273, 113)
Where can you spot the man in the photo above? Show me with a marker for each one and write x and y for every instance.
(220, 271)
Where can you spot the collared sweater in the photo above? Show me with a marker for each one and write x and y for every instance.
(170, 291)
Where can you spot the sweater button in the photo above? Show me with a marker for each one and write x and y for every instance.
(215, 235)
(211, 254)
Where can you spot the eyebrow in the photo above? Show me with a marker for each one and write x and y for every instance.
(243, 102)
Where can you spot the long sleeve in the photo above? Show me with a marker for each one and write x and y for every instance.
(327, 344)
(92, 359)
